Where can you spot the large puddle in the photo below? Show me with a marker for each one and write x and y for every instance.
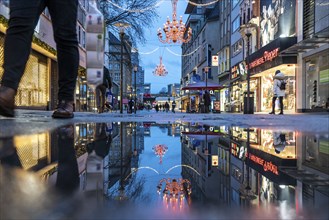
(146, 170)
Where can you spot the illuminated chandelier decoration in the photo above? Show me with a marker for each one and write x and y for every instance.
(174, 30)
(160, 70)
(160, 150)
(175, 188)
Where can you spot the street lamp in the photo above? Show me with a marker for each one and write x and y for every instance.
(206, 70)
(135, 71)
(121, 26)
(246, 30)
(248, 35)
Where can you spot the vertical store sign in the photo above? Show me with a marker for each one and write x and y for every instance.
(214, 60)
(94, 45)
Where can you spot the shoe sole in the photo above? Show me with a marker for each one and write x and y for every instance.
(62, 116)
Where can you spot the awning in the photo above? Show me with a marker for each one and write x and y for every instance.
(202, 86)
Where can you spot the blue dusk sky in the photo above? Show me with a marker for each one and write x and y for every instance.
(152, 50)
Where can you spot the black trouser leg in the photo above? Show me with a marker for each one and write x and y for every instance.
(24, 16)
(273, 104)
(281, 104)
(64, 19)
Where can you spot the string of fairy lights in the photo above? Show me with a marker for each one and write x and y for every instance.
(158, 4)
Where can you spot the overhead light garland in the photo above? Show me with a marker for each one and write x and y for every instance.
(198, 4)
(176, 54)
(174, 30)
(160, 70)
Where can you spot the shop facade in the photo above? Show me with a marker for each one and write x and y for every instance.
(262, 66)
(34, 89)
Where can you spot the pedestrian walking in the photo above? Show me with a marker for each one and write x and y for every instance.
(101, 90)
(173, 106)
(278, 90)
(207, 101)
(24, 16)
(166, 106)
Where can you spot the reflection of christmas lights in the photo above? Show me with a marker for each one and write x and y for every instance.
(160, 150)
(175, 188)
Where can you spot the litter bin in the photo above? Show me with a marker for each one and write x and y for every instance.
(248, 109)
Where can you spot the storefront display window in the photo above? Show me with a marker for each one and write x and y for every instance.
(32, 149)
(284, 149)
(317, 82)
(267, 88)
(34, 86)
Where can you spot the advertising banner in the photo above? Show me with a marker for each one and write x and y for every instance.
(277, 19)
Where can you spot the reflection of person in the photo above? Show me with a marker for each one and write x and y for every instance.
(24, 16)
(207, 101)
(8, 153)
(277, 92)
(279, 141)
(68, 172)
(102, 141)
(101, 90)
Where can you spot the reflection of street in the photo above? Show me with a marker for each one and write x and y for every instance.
(205, 166)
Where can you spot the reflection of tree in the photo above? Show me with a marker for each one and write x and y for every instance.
(132, 190)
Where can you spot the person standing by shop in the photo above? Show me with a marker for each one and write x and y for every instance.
(101, 90)
(24, 16)
(278, 90)
(207, 101)
(173, 106)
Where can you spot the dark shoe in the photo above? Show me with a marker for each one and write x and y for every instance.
(272, 113)
(64, 110)
(281, 113)
(7, 101)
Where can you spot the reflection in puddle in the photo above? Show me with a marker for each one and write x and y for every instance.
(193, 167)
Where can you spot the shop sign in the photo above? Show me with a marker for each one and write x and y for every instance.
(239, 152)
(214, 60)
(217, 105)
(268, 166)
(267, 56)
(214, 160)
(235, 73)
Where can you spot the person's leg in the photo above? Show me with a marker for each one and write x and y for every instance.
(281, 105)
(103, 91)
(273, 105)
(24, 16)
(64, 20)
(98, 98)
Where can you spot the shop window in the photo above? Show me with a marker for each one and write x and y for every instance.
(237, 47)
(34, 86)
(317, 82)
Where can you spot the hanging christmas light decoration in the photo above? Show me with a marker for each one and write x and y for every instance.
(175, 188)
(175, 30)
(160, 70)
(160, 150)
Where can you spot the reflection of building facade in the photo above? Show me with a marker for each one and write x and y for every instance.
(198, 149)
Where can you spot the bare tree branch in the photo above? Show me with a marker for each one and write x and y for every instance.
(139, 14)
